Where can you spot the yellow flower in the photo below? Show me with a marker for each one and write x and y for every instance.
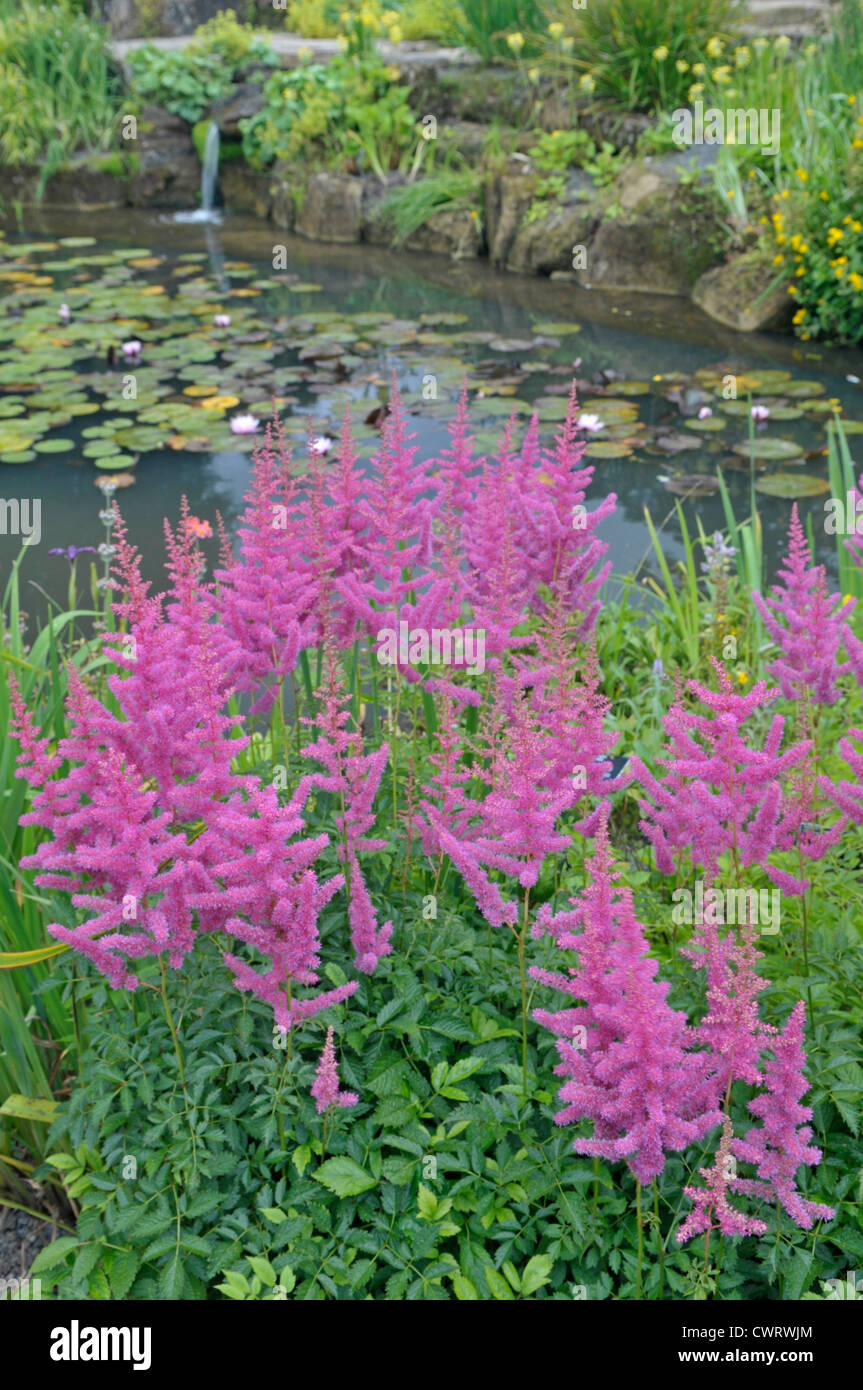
(714, 47)
(846, 599)
(851, 100)
(721, 74)
(698, 69)
(834, 234)
(801, 270)
(782, 44)
(396, 34)
(759, 45)
(857, 143)
(695, 91)
(799, 316)
(823, 196)
(586, 83)
(792, 289)
(855, 280)
(839, 272)
(785, 193)
(681, 65)
(533, 74)
(556, 29)
(742, 678)
(857, 226)
(779, 259)
(515, 42)
(801, 174)
(742, 56)
(660, 53)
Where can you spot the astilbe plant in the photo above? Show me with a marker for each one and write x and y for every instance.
(632, 1063)
(780, 1144)
(711, 1207)
(721, 794)
(807, 623)
(199, 847)
(352, 777)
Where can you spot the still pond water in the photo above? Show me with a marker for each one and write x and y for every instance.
(327, 331)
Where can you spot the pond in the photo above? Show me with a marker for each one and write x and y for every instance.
(326, 330)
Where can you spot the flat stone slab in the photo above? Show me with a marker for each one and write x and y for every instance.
(295, 46)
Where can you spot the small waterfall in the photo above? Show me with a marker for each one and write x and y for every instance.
(210, 167)
(209, 173)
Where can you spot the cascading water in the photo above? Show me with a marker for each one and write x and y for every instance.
(209, 173)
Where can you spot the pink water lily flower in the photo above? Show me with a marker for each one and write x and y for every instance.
(244, 424)
(64, 313)
(320, 445)
(760, 413)
(705, 412)
(132, 348)
(592, 423)
(222, 320)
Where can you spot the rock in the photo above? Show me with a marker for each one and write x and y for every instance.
(507, 196)
(331, 208)
(284, 179)
(133, 19)
(169, 174)
(548, 244)
(242, 102)
(245, 189)
(732, 294)
(456, 233)
(86, 183)
(375, 228)
(656, 235)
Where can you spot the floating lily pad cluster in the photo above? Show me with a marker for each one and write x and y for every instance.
(72, 384)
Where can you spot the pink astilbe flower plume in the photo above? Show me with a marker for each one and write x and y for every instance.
(719, 793)
(266, 596)
(780, 1144)
(628, 1056)
(556, 536)
(325, 1087)
(731, 1027)
(806, 622)
(712, 1211)
(352, 777)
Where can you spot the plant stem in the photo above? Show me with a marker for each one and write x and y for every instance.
(166, 1006)
(640, 1223)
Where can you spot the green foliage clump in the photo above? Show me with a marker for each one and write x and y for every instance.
(59, 92)
(185, 81)
(642, 55)
(349, 112)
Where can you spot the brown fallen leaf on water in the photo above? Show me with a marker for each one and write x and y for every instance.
(676, 443)
(692, 484)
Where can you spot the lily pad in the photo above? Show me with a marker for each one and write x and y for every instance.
(708, 425)
(792, 485)
(556, 330)
(768, 448)
(54, 446)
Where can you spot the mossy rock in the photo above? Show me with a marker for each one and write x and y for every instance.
(745, 293)
(658, 234)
